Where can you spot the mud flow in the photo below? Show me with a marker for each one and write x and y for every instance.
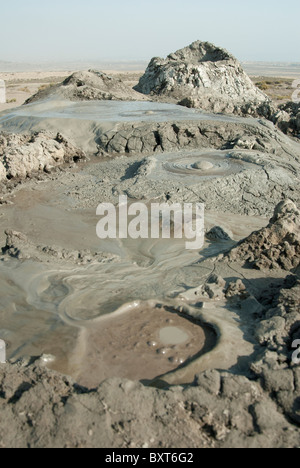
(84, 301)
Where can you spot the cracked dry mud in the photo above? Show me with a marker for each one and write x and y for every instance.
(195, 346)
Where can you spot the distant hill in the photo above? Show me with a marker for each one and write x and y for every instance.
(12, 67)
(279, 69)
(285, 69)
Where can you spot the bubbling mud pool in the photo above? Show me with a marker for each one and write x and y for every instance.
(141, 344)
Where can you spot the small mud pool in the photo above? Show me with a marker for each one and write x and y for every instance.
(140, 345)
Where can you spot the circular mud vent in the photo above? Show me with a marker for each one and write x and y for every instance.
(208, 165)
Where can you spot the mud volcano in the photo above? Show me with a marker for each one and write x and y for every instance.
(202, 75)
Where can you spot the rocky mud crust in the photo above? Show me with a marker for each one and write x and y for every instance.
(23, 155)
(288, 118)
(277, 245)
(44, 409)
(206, 133)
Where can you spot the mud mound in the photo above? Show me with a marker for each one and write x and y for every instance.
(24, 154)
(288, 118)
(87, 86)
(277, 245)
(203, 76)
(280, 324)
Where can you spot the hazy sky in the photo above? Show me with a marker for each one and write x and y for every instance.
(68, 30)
